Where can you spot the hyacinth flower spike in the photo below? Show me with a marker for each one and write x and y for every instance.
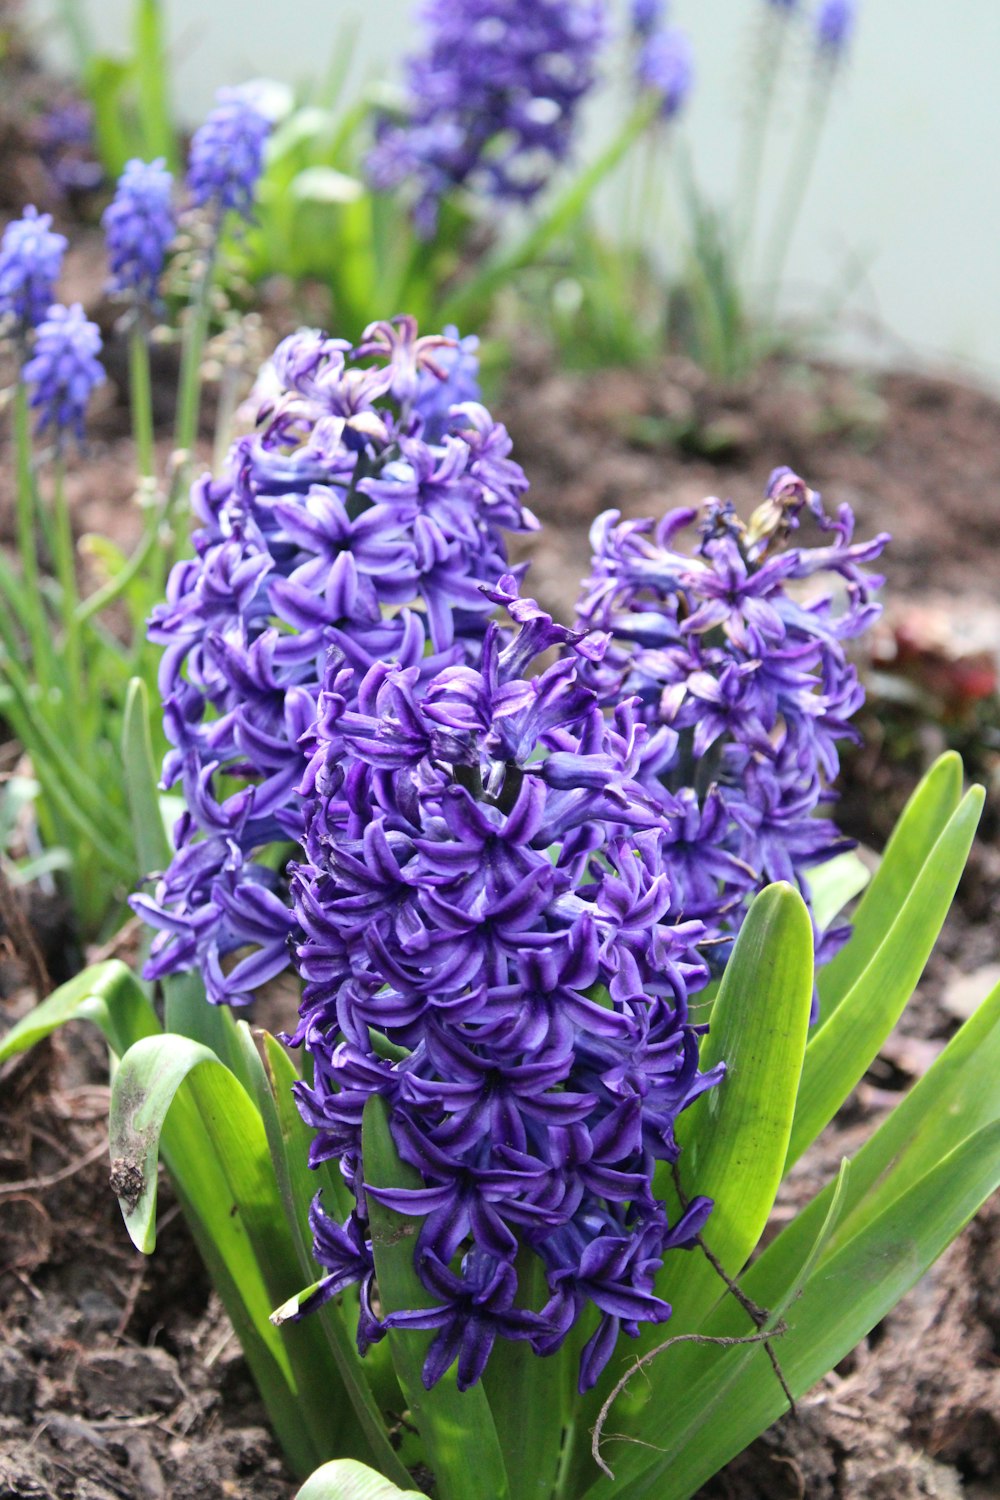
(504, 894)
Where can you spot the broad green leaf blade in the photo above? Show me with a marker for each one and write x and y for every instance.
(735, 1137)
(369, 1384)
(851, 1290)
(174, 1092)
(833, 884)
(151, 843)
(695, 1400)
(921, 824)
(847, 1041)
(525, 1394)
(958, 1095)
(152, 78)
(453, 1424)
(188, 1012)
(346, 1480)
(107, 994)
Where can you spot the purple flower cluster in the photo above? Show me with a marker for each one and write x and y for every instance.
(227, 154)
(738, 659)
(665, 68)
(63, 369)
(139, 224)
(347, 520)
(30, 262)
(834, 28)
(492, 100)
(489, 889)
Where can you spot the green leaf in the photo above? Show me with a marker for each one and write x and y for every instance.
(174, 1094)
(735, 1137)
(851, 1290)
(151, 843)
(833, 884)
(107, 994)
(453, 1424)
(346, 1480)
(289, 1138)
(957, 1096)
(921, 824)
(152, 78)
(845, 1043)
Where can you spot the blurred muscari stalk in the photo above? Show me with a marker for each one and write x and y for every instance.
(558, 1047)
(67, 660)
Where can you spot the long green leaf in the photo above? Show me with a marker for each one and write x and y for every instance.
(694, 1401)
(151, 843)
(453, 1424)
(958, 1095)
(108, 994)
(851, 1290)
(735, 1137)
(921, 824)
(172, 1092)
(346, 1480)
(846, 1043)
(289, 1138)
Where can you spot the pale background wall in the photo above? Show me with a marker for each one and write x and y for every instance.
(907, 178)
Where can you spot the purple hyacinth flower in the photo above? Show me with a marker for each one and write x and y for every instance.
(835, 23)
(646, 16)
(490, 886)
(30, 262)
(227, 154)
(139, 224)
(748, 672)
(63, 369)
(492, 100)
(665, 68)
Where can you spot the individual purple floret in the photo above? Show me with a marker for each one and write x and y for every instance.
(63, 369)
(665, 68)
(30, 262)
(834, 27)
(227, 154)
(492, 100)
(737, 657)
(139, 224)
(489, 887)
(346, 520)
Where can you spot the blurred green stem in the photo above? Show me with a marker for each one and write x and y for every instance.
(189, 393)
(770, 51)
(796, 186)
(141, 394)
(65, 561)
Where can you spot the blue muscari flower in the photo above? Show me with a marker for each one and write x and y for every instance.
(30, 262)
(65, 136)
(63, 369)
(139, 224)
(227, 154)
(834, 27)
(492, 100)
(349, 519)
(665, 67)
(487, 882)
(745, 675)
(646, 16)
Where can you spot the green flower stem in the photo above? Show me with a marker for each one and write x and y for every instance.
(796, 186)
(65, 561)
(769, 58)
(561, 217)
(141, 396)
(189, 394)
(34, 622)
